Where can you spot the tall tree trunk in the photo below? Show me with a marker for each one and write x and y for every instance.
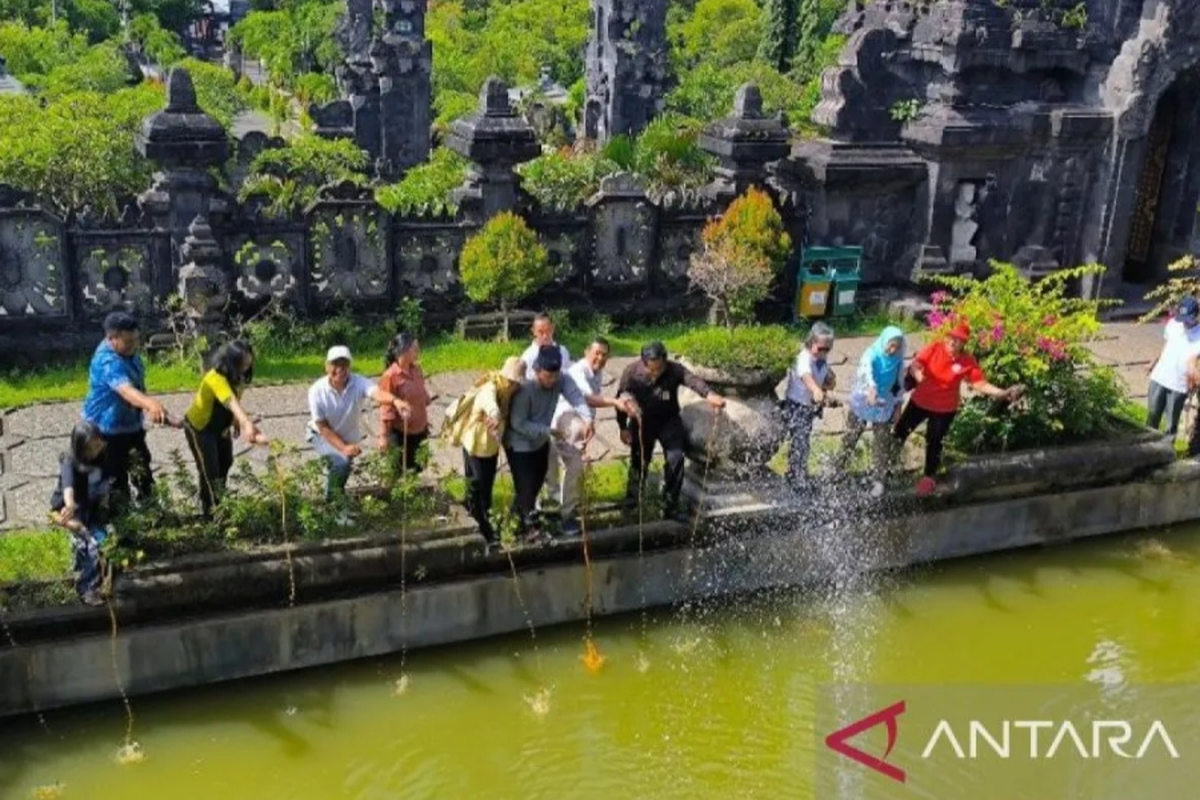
(504, 320)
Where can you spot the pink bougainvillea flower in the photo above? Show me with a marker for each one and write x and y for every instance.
(1050, 320)
(936, 318)
(997, 331)
(939, 297)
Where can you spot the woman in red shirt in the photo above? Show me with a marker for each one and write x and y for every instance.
(407, 428)
(939, 371)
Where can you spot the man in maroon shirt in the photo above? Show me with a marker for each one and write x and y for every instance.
(653, 384)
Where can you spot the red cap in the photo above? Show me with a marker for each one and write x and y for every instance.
(962, 332)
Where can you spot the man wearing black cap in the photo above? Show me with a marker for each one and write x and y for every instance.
(653, 384)
(115, 402)
(527, 440)
(1168, 391)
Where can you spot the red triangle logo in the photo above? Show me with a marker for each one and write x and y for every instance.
(837, 741)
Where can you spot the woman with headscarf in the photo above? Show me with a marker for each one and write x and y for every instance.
(875, 402)
(938, 372)
(405, 425)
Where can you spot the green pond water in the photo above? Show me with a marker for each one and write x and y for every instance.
(715, 702)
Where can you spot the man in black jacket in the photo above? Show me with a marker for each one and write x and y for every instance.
(653, 384)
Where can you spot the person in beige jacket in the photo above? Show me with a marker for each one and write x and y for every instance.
(476, 422)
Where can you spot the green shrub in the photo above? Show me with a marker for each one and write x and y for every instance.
(749, 347)
(426, 188)
(504, 263)
(1031, 334)
(292, 176)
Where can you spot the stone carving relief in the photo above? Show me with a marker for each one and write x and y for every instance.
(427, 263)
(561, 250)
(965, 228)
(349, 258)
(116, 276)
(31, 267)
(265, 270)
(678, 245)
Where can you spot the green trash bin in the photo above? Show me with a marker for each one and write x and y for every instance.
(847, 274)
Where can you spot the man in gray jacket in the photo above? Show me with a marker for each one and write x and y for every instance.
(527, 439)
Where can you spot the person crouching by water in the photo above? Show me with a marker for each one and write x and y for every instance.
(476, 422)
(809, 379)
(209, 421)
(939, 371)
(405, 429)
(652, 384)
(81, 504)
(875, 403)
(527, 440)
(335, 408)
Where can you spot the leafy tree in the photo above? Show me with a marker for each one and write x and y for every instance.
(720, 32)
(706, 92)
(778, 43)
(38, 50)
(161, 45)
(216, 91)
(292, 176)
(101, 68)
(77, 150)
(504, 263)
(743, 251)
(808, 44)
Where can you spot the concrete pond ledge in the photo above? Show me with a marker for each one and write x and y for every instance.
(348, 602)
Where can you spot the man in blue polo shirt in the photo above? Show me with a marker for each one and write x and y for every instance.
(115, 403)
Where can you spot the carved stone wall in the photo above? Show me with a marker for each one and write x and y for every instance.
(627, 67)
(1036, 123)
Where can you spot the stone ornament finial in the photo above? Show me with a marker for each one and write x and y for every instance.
(748, 102)
(493, 98)
(181, 93)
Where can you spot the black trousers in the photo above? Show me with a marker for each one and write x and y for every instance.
(214, 458)
(126, 459)
(528, 473)
(935, 433)
(406, 448)
(480, 473)
(671, 435)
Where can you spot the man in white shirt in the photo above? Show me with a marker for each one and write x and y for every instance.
(543, 335)
(1168, 391)
(335, 404)
(588, 375)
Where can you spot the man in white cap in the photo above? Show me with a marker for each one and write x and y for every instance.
(335, 407)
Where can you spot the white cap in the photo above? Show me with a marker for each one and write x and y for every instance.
(337, 353)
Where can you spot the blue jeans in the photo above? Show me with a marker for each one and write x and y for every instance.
(86, 548)
(339, 466)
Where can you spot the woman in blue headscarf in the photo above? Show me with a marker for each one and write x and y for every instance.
(875, 401)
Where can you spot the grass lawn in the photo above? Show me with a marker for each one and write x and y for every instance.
(440, 353)
(33, 555)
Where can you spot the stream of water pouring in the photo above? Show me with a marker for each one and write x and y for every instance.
(401, 685)
(592, 658)
(12, 641)
(287, 542)
(130, 752)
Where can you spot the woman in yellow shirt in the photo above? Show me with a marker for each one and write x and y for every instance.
(209, 421)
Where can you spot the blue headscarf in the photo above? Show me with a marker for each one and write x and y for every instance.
(885, 369)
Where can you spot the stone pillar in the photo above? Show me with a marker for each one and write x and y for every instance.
(495, 139)
(744, 144)
(626, 67)
(185, 143)
(203, 284)
(386, 85)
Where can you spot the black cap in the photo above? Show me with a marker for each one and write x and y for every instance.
(549, 358)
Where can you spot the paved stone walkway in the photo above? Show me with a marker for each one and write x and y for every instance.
(31, 438)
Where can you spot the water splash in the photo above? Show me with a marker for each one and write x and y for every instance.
(539, 701)
(130, 753)
(51, 791)
(287, 543)
(400, 687)
(592, 659)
